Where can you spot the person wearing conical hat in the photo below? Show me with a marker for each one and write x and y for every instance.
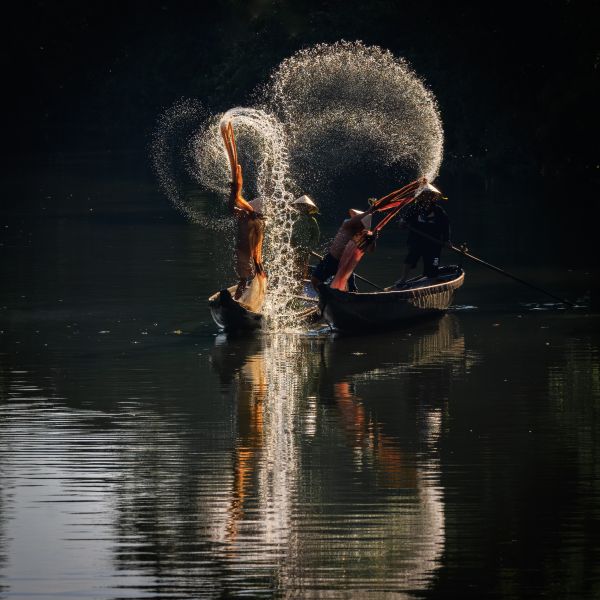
(306, 232)
(250, 224)
(430, 218)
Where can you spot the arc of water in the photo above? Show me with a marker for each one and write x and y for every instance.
(269, 144)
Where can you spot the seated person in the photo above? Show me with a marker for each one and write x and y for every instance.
(328, 266)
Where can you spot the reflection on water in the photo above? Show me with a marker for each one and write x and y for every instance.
(289, 464)
(304, 436)
(287, 481)
(143, 457)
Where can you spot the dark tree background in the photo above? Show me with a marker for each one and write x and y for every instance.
(516, 81)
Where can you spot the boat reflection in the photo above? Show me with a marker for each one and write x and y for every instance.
(372, 512)
(290, 466)
(268, 384)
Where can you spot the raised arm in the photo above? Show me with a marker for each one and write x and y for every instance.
(236, 200)
(230, 146)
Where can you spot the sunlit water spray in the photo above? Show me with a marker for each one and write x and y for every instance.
(344, 121)
(357, 117)
(262, 150)
(171, 158)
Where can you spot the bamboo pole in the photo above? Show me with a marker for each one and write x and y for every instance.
(488, 265)
(355, 274)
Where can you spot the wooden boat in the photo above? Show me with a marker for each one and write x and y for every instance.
(232, 316)
(394, 307)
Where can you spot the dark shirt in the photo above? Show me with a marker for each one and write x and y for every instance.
(433, 222)
(305, 233)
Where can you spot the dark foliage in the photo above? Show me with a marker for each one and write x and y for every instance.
(516, 82)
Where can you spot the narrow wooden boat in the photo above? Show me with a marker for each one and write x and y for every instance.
(394, 307)
(232, 316)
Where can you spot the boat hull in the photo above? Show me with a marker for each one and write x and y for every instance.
(233, 317)
(230, 315)
(355, 311)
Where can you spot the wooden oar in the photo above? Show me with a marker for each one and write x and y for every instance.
(307, 313)
(355, 274)
(488, 265)
(306, 298)
(299, 297)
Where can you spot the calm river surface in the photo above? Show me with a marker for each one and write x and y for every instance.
(142, 455)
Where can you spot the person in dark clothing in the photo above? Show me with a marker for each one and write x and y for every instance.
(305, 233)
(429, 218)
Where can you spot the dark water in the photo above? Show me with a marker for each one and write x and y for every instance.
(144, 456)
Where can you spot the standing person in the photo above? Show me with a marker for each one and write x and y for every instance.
(306, 232)
(250, 223)
(429, 218)
(357, 223)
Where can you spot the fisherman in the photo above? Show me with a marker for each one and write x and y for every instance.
(306, 233)
(250, 223)
(250, 228)
(358, 222)
(431, 219)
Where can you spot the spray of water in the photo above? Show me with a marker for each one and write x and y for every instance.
(355, 112)
(333, 118)
(261, 142)
(174, 129)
